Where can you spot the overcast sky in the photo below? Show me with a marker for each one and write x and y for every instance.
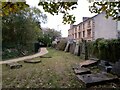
(56, 21)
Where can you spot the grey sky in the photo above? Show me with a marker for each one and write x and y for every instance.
(56, 21)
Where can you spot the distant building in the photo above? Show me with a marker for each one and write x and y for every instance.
(95, 27)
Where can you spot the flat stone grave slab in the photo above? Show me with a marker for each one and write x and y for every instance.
(32, 61)
(81, 71)
(87, 63)
(14, 65)
(45, 57)
(95, 79)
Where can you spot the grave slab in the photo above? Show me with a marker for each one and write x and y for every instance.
(45, 57)
(81, 71)
(94, 79)
(14, 65)
(88, 63)
(32, 61)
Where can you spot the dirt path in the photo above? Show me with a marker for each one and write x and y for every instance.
(42, 52)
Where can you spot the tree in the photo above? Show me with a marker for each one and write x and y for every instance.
(23, 27)
(52, 33)
(111, 9)
(11, 7)
(48, 36)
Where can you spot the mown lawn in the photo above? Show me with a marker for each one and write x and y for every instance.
(55, 72)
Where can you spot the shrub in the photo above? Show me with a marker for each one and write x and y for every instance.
(61, 45)
(105, 49)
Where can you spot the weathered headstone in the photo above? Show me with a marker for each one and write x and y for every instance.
(67, 47)
(81, 71)
(76, 51)
(94, 79)
(73, 47)
(14, 65)
(32, 61)
(83, 48)
(116, 68)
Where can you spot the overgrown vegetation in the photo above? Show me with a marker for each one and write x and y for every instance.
(105, 49)
(20, 30)
(61, 45)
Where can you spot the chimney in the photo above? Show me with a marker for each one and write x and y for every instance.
(85, 18)
(71, 26)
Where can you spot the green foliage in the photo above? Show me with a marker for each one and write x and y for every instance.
(45, 40)
(10, 7)
(60, 7)
(22, 27)
(111, 8)
(105, 49)
(48, 36)
(52, 33)
(54, 8)
(21, 30)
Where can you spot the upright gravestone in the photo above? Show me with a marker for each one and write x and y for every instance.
(67, 47)
(84, 51)
(76, 51)
(116, 68)
(73, 47)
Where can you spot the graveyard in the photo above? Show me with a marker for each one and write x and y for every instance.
(37, 52)
(59, 69)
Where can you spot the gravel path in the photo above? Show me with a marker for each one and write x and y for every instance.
(43, 51)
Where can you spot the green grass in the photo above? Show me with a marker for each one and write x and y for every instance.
(55, 72)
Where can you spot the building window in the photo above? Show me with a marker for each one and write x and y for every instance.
(83, 26)
(79, 33)
(83, 33)
(79, 27)
(89, 33)
(88, 24)
(76, 29)
(75, 35)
